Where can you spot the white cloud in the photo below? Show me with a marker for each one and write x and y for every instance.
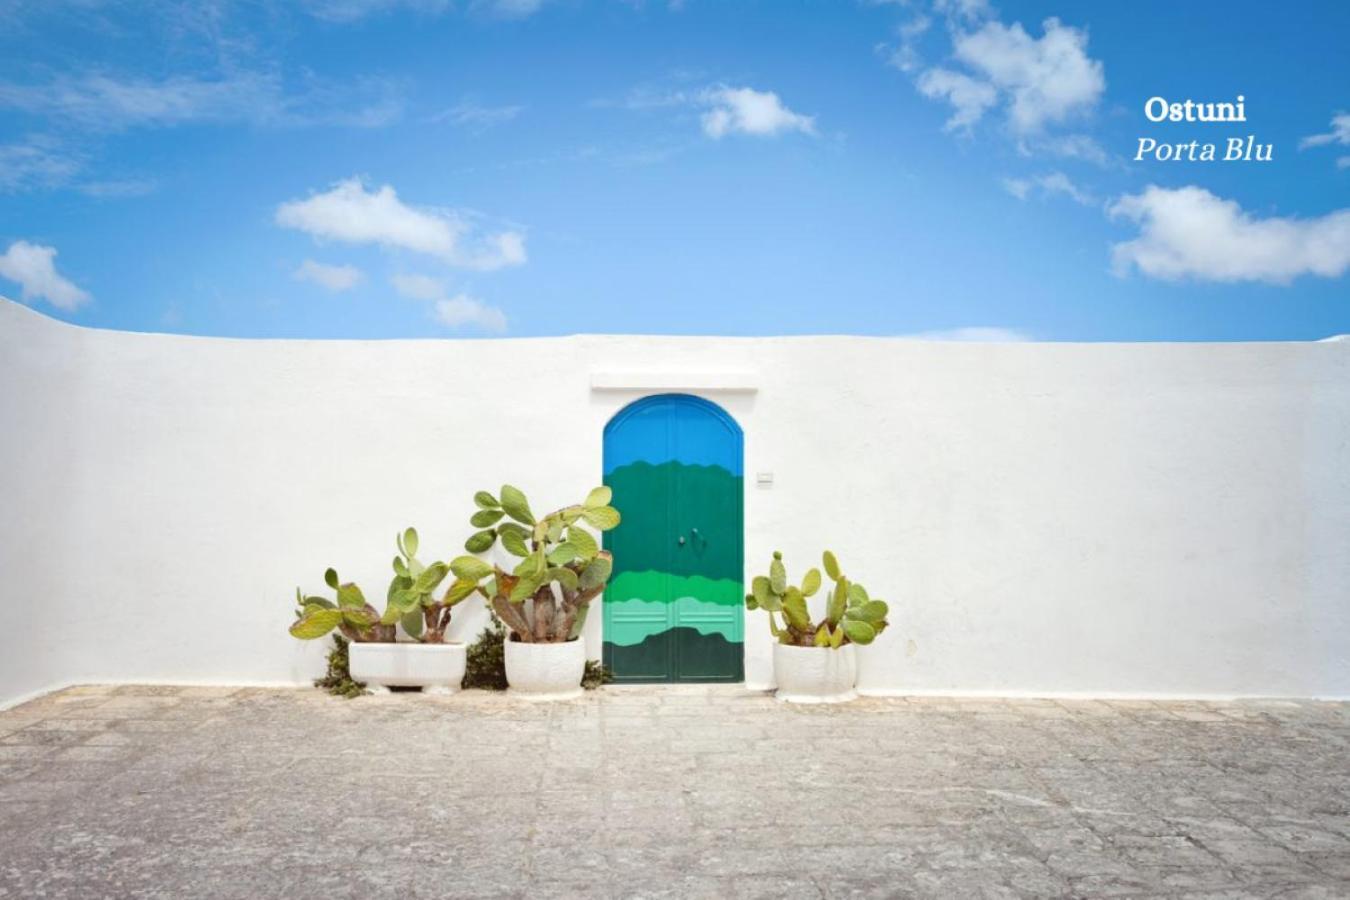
(453, 312)
(974, 334)
(1339, 134)
(1048, 184)
(748, 111)
(33, 267)
(333, 278)
(1046, 79)
(1190, 233)
(350, 213)
(968, 97)
(1041, 81)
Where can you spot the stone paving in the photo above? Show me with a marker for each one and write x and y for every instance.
(647, 792)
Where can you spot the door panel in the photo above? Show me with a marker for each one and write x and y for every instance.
(673, 608)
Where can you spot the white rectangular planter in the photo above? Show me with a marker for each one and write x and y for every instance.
(436, 668)
(815, 674)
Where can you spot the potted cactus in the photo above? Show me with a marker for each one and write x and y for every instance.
(544, 599)
(377, 657)
(816, 663)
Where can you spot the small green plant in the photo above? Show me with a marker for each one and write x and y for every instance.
(338, 680)
(561, 569)
(410, 602)
(596, 675)
(851, 616)
(485, 659)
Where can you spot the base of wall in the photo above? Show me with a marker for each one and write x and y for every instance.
(1093, 695)
(749, 686)
(118, 682)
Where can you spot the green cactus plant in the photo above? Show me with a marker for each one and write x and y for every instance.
(561, 569)
(851, 615)
(410, 602)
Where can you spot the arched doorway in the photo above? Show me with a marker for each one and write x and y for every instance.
(673, 610)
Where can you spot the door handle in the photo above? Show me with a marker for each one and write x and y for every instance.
(681, 540)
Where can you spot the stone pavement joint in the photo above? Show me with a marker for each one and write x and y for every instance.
(147, 791)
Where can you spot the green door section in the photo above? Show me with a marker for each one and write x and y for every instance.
(673, 607)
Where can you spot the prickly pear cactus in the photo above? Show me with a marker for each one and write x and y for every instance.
(851, 616)
(410, 602)
(545, 597)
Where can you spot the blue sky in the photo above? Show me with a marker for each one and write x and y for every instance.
(375, 168)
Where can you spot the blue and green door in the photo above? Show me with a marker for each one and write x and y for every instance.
(673, 608)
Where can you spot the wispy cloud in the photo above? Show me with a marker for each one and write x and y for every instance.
(344, 11)
(101, 102)
(1049, 184)
(44, 163)
(1339, 134)
(461, 309)
(477, 118)
(33, 268)
(451, 311)
(36, 163)
(117, 188)
(1069, 146)
(1189, 233)
(506, 9)
(350, 213)
(904, 55)
(329, 277)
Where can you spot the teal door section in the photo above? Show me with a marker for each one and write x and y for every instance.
(673, 608)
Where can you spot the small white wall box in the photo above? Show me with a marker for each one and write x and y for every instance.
(764, 479)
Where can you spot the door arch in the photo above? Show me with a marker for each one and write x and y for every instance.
(673, 610)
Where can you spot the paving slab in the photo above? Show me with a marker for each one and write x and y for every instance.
(163, 792)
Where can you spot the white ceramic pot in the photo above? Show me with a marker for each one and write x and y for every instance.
(436, 668)
(545, 671)
(815, 674)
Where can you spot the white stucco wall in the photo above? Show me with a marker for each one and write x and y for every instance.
(1143, 519)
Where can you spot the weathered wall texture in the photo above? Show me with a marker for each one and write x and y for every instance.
(1044, 518)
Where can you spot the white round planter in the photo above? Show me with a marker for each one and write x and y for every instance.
(815, 674)
(436, 668)
(545, 671)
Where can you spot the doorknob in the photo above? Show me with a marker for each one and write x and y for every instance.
(681, 540)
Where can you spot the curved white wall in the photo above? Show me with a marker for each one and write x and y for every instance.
(1132, 519)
